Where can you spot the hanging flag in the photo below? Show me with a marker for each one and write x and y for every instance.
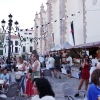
(69, 35)
(72, 31)
(53, 37)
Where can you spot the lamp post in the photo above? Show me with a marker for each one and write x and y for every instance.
(9, 32)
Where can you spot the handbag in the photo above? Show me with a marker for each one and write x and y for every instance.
(18, 76)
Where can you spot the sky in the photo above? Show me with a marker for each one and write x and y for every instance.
(23, 11)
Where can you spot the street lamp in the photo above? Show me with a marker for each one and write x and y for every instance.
(9, 32)
(3, 23)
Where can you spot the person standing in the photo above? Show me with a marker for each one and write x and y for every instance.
(93, 66)
(57, 67)
(35, 66)
(19, 74)
(85, 74)
(41, 59)
(94, 87)
(68, 65)
(51, 62)
(63, 59)
(29, 90)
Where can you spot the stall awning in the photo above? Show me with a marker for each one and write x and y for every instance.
(88, 45)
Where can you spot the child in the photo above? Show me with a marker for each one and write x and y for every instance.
(5, 78)
(29, 90)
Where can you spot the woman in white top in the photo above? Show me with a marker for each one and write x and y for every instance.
(42, 90)
(35, 67)
(20, 68)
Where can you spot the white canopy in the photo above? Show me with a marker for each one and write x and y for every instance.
(57, 47)
(52, 49)
(66, 46)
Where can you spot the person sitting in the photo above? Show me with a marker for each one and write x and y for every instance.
(94, 87)
(42, 88)
(5, 78)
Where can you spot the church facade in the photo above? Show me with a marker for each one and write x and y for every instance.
(66, 21)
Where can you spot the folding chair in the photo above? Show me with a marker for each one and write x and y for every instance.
(10, 93)
(69, 92)
(47, 74)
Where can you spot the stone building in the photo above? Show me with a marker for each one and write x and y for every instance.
(55, 23)
(92, 18)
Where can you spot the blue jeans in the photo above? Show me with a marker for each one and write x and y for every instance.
(22, 85)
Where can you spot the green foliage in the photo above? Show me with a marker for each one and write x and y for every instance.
(1, 39)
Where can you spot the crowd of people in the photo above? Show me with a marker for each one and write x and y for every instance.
(30, 72)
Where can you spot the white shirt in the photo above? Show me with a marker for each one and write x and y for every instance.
(70, 60)
(91, 71)
(27, 69)
(47, 98)
(41, 59)
(20, 67)
(38, 67)
(51, 62)
(36, 97)
(94, 62)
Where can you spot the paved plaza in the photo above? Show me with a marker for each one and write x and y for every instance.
(56, 84)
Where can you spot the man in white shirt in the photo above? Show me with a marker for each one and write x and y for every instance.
(41, 59)
(51, 62)
(94, 66)
(68, 65)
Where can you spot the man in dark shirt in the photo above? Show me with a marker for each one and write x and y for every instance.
(57, 65)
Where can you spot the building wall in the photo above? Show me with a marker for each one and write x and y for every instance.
(5, 50)
(56, 25)
(93, 20)
(73, 8)
(27, 43)
(85, 21)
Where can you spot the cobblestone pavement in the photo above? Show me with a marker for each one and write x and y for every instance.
(56, 84)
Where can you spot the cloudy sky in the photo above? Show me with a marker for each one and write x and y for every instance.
(22, 10)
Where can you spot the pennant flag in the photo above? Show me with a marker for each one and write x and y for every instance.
(55, 21)
(49, 23)
(37, 26)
